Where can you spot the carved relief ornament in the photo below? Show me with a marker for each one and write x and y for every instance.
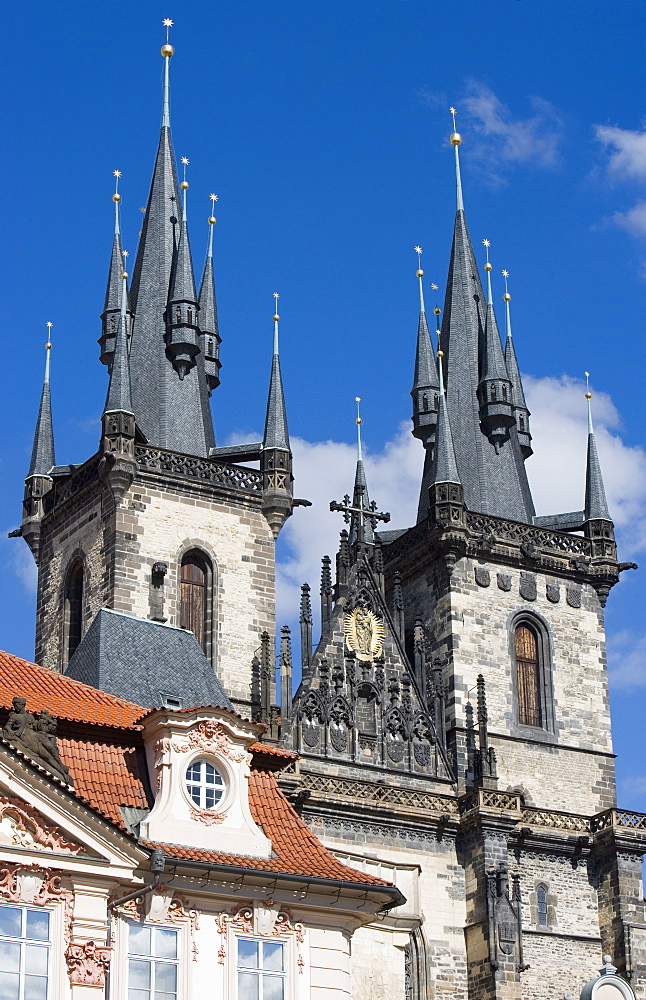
(163, 906)
(264, 918)
(22, 826)
(211, 737)
(38, 887)
(87, 963)
(364, 633)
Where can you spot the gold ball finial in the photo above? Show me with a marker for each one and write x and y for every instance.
(437, 310)
(440, 354)
(506, 297)
(212, 220)
(276, 317)
(456, 138)
(124, 274)
(48, 346)
(184, 185)
(588, 395)
(419, 273)
(116, 196)
(167, 51)
(488, 266)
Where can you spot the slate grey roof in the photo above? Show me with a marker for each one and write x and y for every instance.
(145, 662)
(182, 282)
(119, 397)
(276, 434)
(42, 454)
(445, 469)
(360, 496)
(493, 362)
(113, 288)
(518, 393)
(171, 413)
(596, 506)
(494, 483)
(206, 300)
(425, 376)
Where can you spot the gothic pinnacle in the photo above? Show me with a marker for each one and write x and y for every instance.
(596, 506)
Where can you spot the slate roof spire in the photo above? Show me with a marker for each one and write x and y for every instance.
(209, 334)
(491, 466)
(521, 413)
(494, 389)
(445, 467)
(276, 455)
(361, 527)
(119, 397)
(42, 454)
(596, 506)
(425, 384)
(112, 303)
(169, 386)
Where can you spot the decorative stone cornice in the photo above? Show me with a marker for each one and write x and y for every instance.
(25, 827)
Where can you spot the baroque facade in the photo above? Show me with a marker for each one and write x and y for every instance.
(449, 743)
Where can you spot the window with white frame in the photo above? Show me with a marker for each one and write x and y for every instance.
(261, 970)
(204, 784)
(24, 953)
(153, 963)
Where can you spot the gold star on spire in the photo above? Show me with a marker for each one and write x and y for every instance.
(435, 287)
(505, 274)
(417, 249)
(486, 243)
(124, 253)
(143, 209)
(116, 173)
(453, 113)
(213, 197)
(168, 24)
(50, 325)
(185, 161)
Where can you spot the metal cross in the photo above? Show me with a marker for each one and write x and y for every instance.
(369, 513)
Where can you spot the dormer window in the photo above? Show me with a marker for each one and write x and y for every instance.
(204, 784)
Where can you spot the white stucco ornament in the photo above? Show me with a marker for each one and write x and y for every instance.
(608, 985)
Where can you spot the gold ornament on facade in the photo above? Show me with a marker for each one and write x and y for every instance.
(364, 633)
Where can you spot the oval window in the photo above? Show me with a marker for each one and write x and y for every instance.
(204, 784)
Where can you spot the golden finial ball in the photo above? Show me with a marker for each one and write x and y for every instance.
(48, 346)
(419, 273)
(506, 297)
(276, 317)
(588, 395)
(184, 185)
(167, 51)
(437, 310)
(124, 274)
(116, 196)
(488, 266)
(212, 220)
(456, 138)
(358, 420)
(440, 354)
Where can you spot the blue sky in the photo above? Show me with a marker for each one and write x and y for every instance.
(323, 129)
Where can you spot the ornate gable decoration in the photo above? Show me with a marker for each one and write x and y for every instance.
(35, 736)
(22, 826)
(364, 633)
(211, 737)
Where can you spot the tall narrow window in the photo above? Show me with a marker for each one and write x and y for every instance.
(541, 906)
(261, 970)
(152, 963)
(528, 670)
(195, 585)
(24, 952)
(73, 608)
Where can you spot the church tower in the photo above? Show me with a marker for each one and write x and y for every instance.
(160, 534)
(453, 720)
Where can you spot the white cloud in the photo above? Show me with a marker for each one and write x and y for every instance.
(533, 140)
(19, 561)
(627, 151)
(627, 660)
(633, 220)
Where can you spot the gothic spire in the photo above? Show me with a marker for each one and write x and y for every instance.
(169, 386)
(445, 468)
(209, 334)
(491, 469)
(119, 397)
(425, 384)
(112, 304)
(521, 413)
(275, 455)
(42, 455)
(596, 506)
(361, 528)
(494, 389)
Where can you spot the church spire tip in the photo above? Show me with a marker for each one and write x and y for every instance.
(42, 456)
(596, 505)
(456, 139)
(167, 52)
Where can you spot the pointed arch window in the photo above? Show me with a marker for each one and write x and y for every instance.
(196, 587)
(73, 620)
(541, 906)
(529, 676)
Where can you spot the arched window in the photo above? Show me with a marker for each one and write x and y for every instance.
(529, 677)
(196, 582)
(73, 621)
(541, 906)
(366, 710)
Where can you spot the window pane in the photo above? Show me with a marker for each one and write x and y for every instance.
(138, 994)
(165, 943)
(248, 954)
(37, 925)
(273, 987)
(139, 940)
(248, 984)
(272, 956)
(165, 996)
(10, 921)
(36, 960)
(139, 974)
(9, 986)
(165, 977)
(9, 957)
(35, 988)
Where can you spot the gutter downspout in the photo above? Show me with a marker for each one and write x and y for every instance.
(157, 865)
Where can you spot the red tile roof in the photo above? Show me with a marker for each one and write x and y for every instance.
(297, 851)
(105, 775)
(62, 696)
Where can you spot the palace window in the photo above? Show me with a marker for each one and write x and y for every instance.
(261, 970)
(24, 953)
(195, 599)
(204, 783)
(529, 679)
(73, 624)
(153, 963)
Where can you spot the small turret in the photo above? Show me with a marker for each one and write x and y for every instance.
(118, 466)
(521, 413)
(446, 494)
(598, 526)
(425, 385)
(210, 339)
(181, 318)
(39, 480)
(112, 305)
(494, 387)
(276, 456)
